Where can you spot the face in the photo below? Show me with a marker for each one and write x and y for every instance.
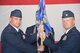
(15, 21)
(68, 22)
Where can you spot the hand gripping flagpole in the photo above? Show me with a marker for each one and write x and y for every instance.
(41, 35)
(41, 20)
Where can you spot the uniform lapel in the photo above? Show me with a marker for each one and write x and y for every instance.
(63, 36)
(72, 29)
(35, 29)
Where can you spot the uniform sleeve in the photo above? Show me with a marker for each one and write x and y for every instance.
(15, 41)
(30, 38)
(49, 43)
(51, 35)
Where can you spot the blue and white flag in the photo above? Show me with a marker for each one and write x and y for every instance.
(41, 16)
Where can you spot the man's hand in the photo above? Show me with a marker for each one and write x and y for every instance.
(41, 32)
(41, 27)
(42, 35)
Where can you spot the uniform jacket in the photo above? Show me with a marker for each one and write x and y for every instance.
(69, 43)
(12, 42)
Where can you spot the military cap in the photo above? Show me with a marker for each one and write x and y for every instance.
(16, 13)
(67, 14)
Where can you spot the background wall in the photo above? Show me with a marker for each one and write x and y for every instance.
(54, 13)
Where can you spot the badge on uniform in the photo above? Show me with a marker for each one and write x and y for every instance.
(23, 36)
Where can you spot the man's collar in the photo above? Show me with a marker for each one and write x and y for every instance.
(17, 29)
(68, 29)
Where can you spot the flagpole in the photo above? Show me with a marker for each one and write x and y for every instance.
(40, 19)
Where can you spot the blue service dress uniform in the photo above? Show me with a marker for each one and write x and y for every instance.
(70, 44)
(12, 42)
